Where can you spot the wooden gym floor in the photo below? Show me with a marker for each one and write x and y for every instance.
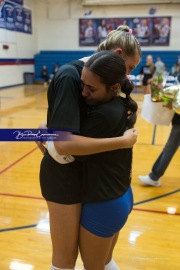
(150, 239)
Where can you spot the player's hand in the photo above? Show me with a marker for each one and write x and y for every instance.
(131, 136)
(41, 147)
(40, 144)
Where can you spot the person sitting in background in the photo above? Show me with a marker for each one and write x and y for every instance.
(174, 69)
(55, 69)
(44, 74)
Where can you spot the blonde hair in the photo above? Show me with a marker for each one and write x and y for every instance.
(152, 66)
(121, 38)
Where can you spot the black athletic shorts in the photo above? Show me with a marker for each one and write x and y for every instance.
(146, 78)
(61, 183)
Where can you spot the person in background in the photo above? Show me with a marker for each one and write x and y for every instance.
(165, 157)
(55, 69)
(160, 66)
(146, 73)
(178, 69)
(44, 74)
(174, 70)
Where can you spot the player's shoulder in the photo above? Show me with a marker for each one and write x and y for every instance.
(70, 69)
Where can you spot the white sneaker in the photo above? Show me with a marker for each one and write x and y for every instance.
(146, 179)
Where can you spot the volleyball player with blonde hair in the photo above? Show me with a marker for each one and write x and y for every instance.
(61, 184)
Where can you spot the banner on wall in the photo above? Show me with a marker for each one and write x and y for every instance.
(2, 16)
(20, 2)
(27, 21)
(161, 27)
(19, 18)
(23, 21)
(142, 30)
(149, 31)
(94, 31)
(9, 13)
(14, 17)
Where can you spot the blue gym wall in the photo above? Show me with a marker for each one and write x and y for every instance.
(50, 58)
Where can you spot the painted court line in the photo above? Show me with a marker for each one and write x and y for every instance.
(18, 160)
(135, 209)
(141, 202)
(35, 225)
(21, 196)
(155, 211)
(158, 197)
(18, 228)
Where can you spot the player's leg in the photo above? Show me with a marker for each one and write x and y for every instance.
(64, 229)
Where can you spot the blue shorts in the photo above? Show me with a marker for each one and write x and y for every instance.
(104, 219)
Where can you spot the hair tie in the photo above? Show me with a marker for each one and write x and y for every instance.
(130, 31)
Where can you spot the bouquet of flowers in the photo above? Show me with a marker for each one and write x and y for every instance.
(172, 93)
(157, 84)
(155, 107)
(167, 94)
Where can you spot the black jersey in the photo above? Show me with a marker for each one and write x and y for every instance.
(64, 98)
(106, 175)
(148, 72)
(61, 183)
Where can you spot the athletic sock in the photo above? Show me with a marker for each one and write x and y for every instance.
(56, 268)
(111, 266)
